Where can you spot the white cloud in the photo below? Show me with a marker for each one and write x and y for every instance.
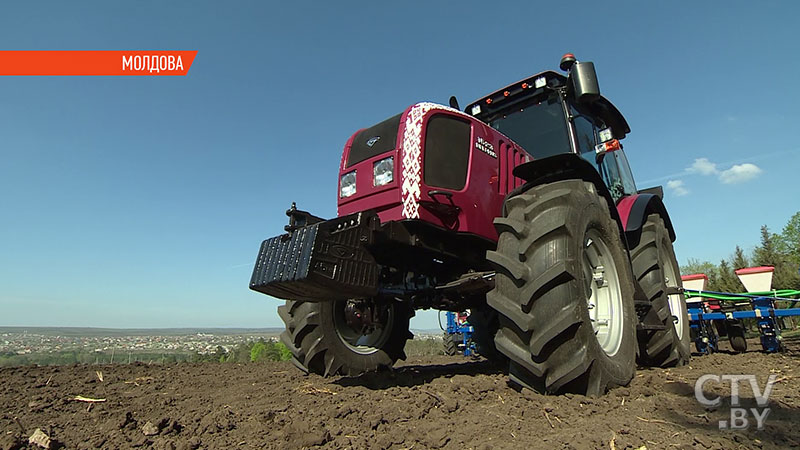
(740, 173)
(677, 187)
(702, 166)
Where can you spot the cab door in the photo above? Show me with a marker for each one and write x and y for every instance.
(613, 166)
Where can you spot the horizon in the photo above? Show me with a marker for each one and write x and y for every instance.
(141, 202)
(4, 329)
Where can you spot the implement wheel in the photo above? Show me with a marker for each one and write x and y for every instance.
(451, 344)
(736, 335)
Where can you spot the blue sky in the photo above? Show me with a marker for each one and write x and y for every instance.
(141, 201)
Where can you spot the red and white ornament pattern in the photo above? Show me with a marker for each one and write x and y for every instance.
(412, 156)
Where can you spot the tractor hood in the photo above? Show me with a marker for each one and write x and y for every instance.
(432, 163)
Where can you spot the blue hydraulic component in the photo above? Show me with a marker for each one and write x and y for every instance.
(763, 310)
(457, 324)
(701, 330)
(768, 324)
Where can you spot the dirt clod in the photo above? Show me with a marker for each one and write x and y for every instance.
(149, 429)
(39, 439)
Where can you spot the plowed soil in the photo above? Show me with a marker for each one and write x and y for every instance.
(429, 403)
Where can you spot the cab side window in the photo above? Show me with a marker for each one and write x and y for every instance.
(613, 168)
(625, 172)
(612, 176)
(586, 134)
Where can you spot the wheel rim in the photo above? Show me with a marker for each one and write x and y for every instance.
(674, 300)
(605, 295)
(364, 344)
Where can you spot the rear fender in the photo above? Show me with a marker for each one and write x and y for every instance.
(566, 166)
(634, 210)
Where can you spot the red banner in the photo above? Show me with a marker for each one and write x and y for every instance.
(102, 62)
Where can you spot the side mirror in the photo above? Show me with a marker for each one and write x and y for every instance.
(584, 82)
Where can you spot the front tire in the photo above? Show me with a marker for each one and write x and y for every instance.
(656, 267)
(563, 291)
(321, 342)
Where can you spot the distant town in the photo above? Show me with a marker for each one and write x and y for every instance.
(22, 340)
(64, 345)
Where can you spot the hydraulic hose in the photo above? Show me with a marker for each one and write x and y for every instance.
(778, 295)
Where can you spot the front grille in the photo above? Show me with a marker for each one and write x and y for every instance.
(447, 150)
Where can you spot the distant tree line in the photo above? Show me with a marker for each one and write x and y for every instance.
(257, 351)
(780, 250)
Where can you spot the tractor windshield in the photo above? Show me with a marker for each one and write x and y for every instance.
(540, 128)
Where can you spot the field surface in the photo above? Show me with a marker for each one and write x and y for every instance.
(424, 403)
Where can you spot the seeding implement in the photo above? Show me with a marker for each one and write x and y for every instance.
(457, 337)
(522, 209)
(719, 314)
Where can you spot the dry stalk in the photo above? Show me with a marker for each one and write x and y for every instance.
(309, 389)
(546, 416)
(81, 398)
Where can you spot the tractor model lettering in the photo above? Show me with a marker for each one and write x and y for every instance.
(485, 147)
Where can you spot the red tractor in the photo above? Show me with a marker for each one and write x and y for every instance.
(522, 209)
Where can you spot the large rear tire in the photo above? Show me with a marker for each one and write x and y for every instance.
(656, 268)
(321, 342)
(563, 291)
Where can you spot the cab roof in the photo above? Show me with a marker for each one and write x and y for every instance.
(542, 84)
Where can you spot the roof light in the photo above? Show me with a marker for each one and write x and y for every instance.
(525, 85)
(540, 82)
(506, 93)
(567, 61)
(605, 135)
(488, 101)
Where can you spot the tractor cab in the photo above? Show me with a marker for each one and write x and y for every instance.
(550, 114)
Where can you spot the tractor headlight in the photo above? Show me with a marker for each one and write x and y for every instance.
(383, 171)
(347, 185)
